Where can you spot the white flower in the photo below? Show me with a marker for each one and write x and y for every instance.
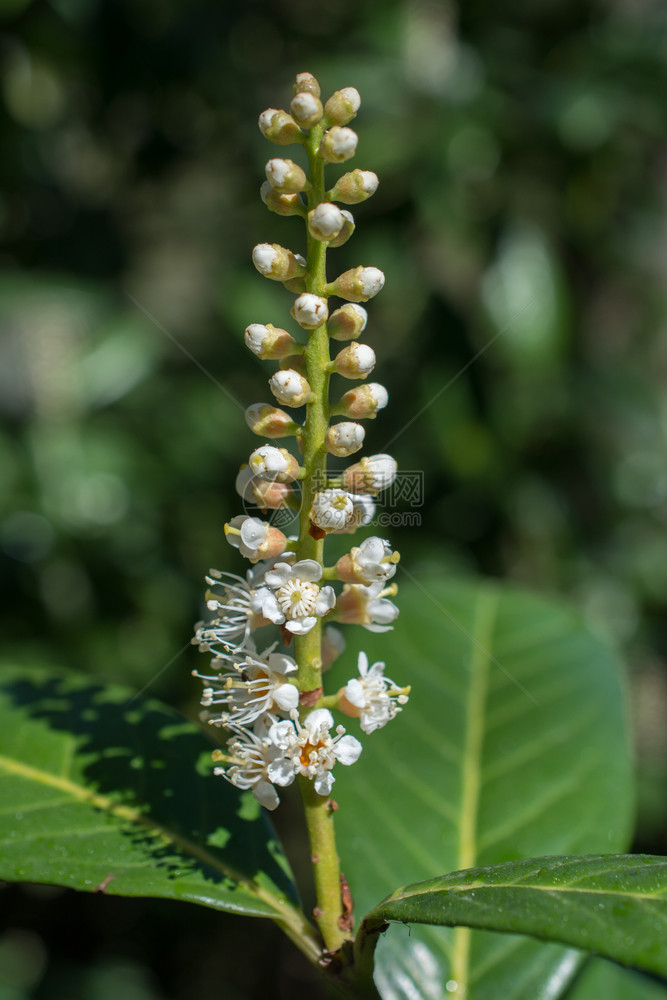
(254, 686)
(374, 698)
(255, 539)
(332, 510)
(292, 597)
(310, 750)
(285, 176)
(248, 759)
(289, 387)
(362, 514)
(338, 144)
(367, 606)
(371, 562)
(234, 617)
(310, 311)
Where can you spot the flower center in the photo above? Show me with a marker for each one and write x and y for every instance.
(297, 598)
(306, 751)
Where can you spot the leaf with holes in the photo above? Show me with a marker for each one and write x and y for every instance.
(513, 745)
(100, 791)
(614, 905)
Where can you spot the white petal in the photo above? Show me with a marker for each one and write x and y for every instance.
(300, 626)
(326, 599)
(347, 749)
(307, 569)
(266, 795)
(279, 575)
(281, 772)
(286, 697)
(281, 734)
(253, 532)
(354, 692)
(319, 717)
(362, 664)
(324, 783)
(281, 663)
(383, 611)
(271, 609)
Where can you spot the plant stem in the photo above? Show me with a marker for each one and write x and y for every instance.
(308, 648)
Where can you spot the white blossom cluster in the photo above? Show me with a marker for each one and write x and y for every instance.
(253, 693)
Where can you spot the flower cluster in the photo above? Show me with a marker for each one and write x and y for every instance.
(271, 704)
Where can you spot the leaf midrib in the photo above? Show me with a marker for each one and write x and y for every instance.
(134, 815)
(472, 760)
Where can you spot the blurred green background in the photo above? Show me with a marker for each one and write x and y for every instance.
(521, 225)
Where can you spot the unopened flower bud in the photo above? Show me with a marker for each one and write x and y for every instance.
(362, 516)
(344, 439)
(279, 127)
(306, 109)
(260, 492)
(362, 402)
(342, 106)
(268, 421)
(355, 361)
(346, 231)
(269, 342)
(347, 322)
(310, 311)
(354, 187)
(338, 144)
(333, 644)
(278, 263)
(325, 222)
(358, 284)
(306, 83)
(372, 474)
(331, 510)
(274, 464)
(289, 387)
(281, 204)
(285, 176)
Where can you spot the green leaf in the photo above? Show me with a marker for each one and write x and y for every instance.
(102, 791)
(514, 744)
(612, 905)
(600, 978)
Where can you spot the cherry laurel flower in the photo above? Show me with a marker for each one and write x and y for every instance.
(249, 756)
(234, 616)
(253, 538)
(363, 512)
(332, 510)
(291, 596)
(374, 698)
(309, 749)
(255, 684)
(371, 562)
(367, 606)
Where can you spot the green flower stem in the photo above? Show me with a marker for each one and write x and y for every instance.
(308, 648)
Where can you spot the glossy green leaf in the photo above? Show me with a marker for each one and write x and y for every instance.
(513, 745)
(613, 905)
(100, 791)
(602, 979)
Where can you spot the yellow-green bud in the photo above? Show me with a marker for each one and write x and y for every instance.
(346, 230)
(278, 263)
(362, 402)
(355, 361)
(325, 222)
(338, 144)
(344, 439)
(269, 342)
(306, 83)
(306, 109)
(269, 421)
(279, 127)
(342, 106)
(281, 204)
(354, 187)
(347, 322)
(358, 285)
(285, 176)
